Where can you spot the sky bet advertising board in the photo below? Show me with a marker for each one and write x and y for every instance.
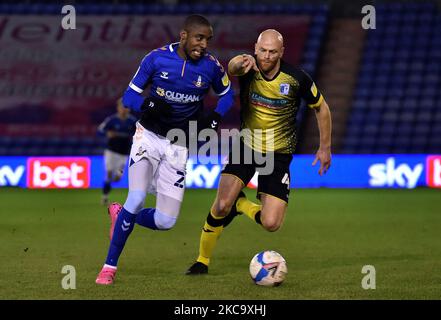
(347, 171)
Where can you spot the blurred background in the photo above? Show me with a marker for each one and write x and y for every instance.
(383, 85)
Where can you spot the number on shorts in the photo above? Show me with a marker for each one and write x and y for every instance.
(180, 182)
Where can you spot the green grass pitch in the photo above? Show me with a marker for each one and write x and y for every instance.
(327, 237)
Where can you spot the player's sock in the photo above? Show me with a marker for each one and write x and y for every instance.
(154, 219)
(107, 187)
(249, 208)
(146, 218)
(257, 217)
(123, 227)
(211, 231)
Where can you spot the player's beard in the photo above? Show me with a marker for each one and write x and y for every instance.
(267, 66)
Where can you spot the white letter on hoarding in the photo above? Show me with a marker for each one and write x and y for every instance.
(68, 21)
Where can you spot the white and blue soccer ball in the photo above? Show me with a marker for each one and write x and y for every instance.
(268, 268)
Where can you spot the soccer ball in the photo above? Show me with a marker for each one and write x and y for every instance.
(268, 268)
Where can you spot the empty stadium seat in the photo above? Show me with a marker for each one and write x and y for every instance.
(400, 80)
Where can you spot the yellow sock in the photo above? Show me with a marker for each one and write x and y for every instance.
(211, 231)
(248, 207)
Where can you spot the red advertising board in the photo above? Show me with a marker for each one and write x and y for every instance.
(433, 167)
(58, 172)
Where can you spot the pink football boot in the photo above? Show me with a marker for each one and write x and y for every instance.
(106, 276)
(113, 210)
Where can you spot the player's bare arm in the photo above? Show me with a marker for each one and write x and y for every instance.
(323, 115)
(242, 64)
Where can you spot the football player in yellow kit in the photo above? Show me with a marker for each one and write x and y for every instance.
(270, 94)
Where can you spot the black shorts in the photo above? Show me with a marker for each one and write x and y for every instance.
(275, 184)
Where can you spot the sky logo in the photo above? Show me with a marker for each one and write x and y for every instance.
(201, 176)
(10, 176)
(391, 175)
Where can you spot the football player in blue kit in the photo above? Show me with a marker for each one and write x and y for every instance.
(119, 129)
(180, 76)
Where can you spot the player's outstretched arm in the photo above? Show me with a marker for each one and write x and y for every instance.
(323, 115)
(242, 64)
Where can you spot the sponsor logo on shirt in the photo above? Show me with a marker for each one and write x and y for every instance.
(262, 101)
(178, 96)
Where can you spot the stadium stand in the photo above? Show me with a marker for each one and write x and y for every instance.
(388, 100)
(40, 139)
(396, 108)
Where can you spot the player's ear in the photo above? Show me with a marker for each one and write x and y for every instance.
(255, 49)
(183, 35)
(282, 50)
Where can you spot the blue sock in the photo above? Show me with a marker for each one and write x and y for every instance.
(123, 227)
(107, 187)
(146, 218)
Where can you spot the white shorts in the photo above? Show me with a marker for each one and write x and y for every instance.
(114, 162)
(169, 162)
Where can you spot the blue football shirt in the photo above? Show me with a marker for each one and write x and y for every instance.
(125, 129)
(182, 83)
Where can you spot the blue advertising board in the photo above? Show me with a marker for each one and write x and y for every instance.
(347, 171)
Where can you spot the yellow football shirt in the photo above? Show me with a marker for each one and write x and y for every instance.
(269, 107)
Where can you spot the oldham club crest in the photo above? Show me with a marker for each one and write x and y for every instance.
(199, 82)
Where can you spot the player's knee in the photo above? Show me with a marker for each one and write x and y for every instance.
(164, 221)
(223, 207)
(135, 201)
(271, 224)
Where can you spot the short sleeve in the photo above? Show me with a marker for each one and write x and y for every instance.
(144, 73)
(309, 91)
(221, 83)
